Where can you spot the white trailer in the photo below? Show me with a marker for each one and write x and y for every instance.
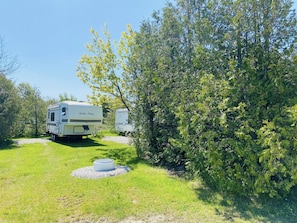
(73, 119)
(123, 123)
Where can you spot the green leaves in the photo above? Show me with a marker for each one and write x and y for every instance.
(104, 69)
(231, 82)
(9, 107)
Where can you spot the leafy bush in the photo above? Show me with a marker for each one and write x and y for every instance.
(216, 89)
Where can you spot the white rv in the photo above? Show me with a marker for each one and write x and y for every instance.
(123, 123)
(72, 118)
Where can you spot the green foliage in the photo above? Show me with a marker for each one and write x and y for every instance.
(9, 107)
(66, 97)
(157, 67)
(216, 89)
(104, 70)
(31, 117)
(212, 86)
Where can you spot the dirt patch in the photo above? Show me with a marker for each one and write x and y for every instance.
(158, 218)
(30, 141)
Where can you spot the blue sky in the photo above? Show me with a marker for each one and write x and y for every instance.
(48, 36)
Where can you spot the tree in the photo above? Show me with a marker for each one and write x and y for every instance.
(8, 95)
(66, 97)
(8, 63)
(156, 68)
(104, 70)
(9, 107)
(237, 130)
(32, 113)
(223, 74)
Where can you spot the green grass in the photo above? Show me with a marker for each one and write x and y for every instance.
(107, 130)
(37, 186)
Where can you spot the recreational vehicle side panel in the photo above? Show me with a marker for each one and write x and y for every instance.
(85, 114)
(123, 123)
(52, 121)
(69, 118)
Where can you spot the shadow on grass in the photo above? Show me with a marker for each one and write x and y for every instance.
(8, 144)
(75, 143)
(262, 209)
(121, 156)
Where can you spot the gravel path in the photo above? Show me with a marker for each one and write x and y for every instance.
(119, 139)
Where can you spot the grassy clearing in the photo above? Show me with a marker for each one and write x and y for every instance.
(36, 186)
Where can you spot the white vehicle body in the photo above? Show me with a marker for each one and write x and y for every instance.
(72, 118)
(123, 123)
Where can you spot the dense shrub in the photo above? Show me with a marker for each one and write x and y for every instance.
(216, 90)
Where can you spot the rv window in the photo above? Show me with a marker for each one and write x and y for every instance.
(64, 111)
(48, 115)
(53, 116)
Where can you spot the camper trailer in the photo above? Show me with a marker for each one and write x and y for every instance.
(123, 123)
(73, 119)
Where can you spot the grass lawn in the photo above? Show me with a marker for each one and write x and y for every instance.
(36, 186)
